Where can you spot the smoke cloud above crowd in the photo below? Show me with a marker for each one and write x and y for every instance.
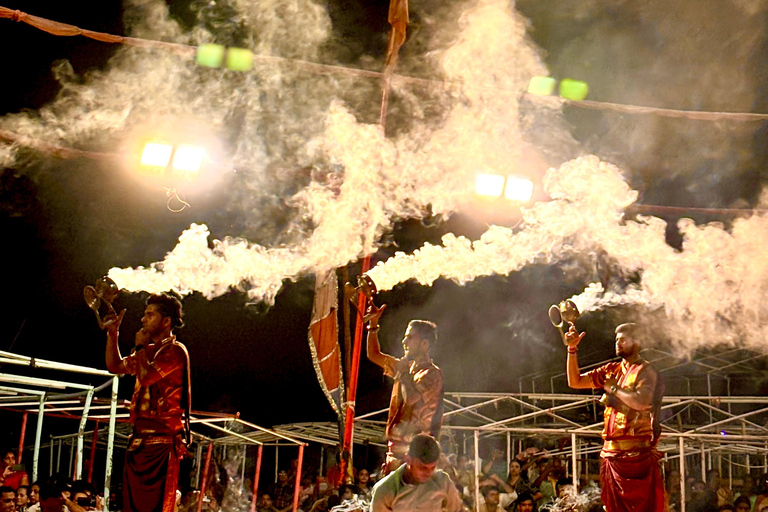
(311, 142)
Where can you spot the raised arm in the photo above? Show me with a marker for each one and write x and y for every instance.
(113, 358)
(373, 348)
(576, 379)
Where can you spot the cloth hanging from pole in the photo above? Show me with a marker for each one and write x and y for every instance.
(324, 339)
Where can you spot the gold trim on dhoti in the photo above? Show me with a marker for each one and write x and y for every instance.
(625, 445)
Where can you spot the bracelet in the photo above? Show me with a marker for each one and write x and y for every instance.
(573, 350)
(374, 328)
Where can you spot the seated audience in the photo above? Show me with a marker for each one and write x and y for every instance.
(22, 498)
(13, 475)
(7, 499)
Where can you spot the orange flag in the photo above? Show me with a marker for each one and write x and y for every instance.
(324, 339)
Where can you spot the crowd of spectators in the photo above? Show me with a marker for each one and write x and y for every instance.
(531, 482)
(318, 493)
(747, 495)
(53, 495)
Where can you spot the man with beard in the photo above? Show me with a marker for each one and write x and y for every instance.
(629, 463)
(416, 405)
(160, 397)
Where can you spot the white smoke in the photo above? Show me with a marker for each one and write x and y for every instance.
(572, 501)
(384, 179)
(7, 155)
(710, 291)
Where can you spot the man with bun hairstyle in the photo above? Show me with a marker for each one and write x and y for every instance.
(159, 406)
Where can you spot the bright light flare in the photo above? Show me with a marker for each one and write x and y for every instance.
(188, 159)
(156, 154)
(518, 189)
(489, 185)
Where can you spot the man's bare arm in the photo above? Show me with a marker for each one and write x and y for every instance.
(373, 348)
(113, 358)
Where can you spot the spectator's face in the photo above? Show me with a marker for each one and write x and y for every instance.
(492, 497)
(22, 500)
(363, 476)
(52, 505)
(8, 502)
(525, 506)
(34, 494)
(82, 499)
(9, 459)
(748, 486)
(420, 471)
(514, 468)
(266, 501)
(348, 494)
(742, 507)
(462, 462)
(713, 479)
(282, 476)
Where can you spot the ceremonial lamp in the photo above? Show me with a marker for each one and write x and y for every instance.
(367, 287)
(105, 290)
(565, 314)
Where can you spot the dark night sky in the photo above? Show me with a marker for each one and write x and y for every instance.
(66, 222)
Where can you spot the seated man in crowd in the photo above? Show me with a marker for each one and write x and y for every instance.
(524, 503)
(282, 491)
(417, 484)
(7, 499)
(265, 503)
(496, 465)
(491, 495)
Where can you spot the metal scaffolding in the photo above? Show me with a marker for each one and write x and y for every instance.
(709, 418)
(59, 398)
(78, 401)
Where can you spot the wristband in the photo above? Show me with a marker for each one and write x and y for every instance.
(573, 350)
(374, 328)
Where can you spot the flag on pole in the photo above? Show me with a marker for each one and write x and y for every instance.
(324, 339)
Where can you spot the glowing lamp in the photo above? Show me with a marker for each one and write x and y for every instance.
(518, 189)
(156, 154)
(489, 185)
(239, 59)
(541, 85)
(210, 55)
(188, 159)
(573, 89)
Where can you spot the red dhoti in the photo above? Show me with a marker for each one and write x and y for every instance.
(632, 483)
(151, 475)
